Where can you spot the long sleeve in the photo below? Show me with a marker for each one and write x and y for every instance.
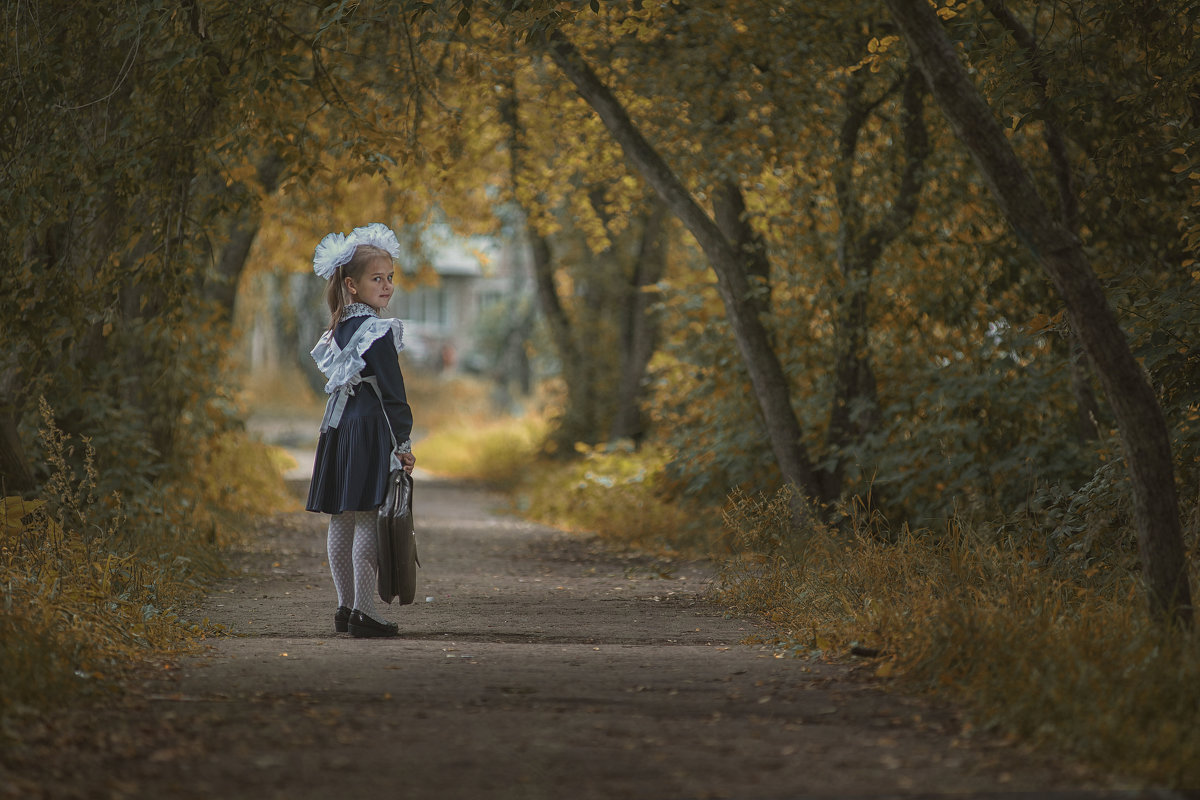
(381, 360)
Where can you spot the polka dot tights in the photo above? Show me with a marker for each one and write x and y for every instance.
(353, 557)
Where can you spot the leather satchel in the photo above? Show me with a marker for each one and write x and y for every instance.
(397, 541)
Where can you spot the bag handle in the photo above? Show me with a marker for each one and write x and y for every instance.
(371, 381)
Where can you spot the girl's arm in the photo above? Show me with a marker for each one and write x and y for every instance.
(381, 358)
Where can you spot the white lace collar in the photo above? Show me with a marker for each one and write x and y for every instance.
(342, 365)
(358, 310)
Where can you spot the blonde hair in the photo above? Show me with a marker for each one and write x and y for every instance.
(336, 296)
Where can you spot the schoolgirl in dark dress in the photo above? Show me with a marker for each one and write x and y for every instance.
(367, 425)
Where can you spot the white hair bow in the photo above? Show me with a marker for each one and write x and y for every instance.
(380, 236)
(336, 249)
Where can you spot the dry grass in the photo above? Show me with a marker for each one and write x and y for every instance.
(617, 494)
(1030, 651)
(89, 583)
(282, 392)
(448, 402)
(497, 452)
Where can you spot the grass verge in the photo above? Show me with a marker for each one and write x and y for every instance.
(1029, 648)
(89, 585)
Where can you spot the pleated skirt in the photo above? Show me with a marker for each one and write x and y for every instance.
(350, 472)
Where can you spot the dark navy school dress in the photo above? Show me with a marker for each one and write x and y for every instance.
(353, 460)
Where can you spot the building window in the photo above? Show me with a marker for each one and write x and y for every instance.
(485, 300)
(425, 304)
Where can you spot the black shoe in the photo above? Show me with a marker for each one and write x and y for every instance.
(341, 620)
(363, 627)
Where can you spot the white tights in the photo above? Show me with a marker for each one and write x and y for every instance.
(353, 556)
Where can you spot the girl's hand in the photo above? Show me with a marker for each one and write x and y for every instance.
(408, 460)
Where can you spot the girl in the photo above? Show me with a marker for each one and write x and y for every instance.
(365, 433)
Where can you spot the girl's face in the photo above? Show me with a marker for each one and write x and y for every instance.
(374, 286)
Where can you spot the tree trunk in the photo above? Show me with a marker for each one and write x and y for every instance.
(15, 476)
(854, 410)
(1138, 415)
(579, 414)
(243, 228)
(733, 283)
(729, 212)
(1087, 410)
(639, 335)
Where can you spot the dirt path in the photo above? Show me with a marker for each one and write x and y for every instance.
(543, 667)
